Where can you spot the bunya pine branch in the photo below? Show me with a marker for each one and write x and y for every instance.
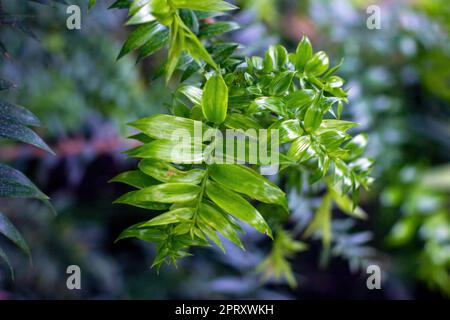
(296, 97)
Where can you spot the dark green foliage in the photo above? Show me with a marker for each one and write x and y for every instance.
(14, 125)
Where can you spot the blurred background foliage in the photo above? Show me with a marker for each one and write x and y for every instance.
(400, 93)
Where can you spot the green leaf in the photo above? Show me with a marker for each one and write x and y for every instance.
(158, 40)
(170, 151)
(214, 29)
(163, 11)
(136, 5)
(190, 19)
(91, 4)
(204, 5)
(281, 83)
(215, 99)
(222, 51)
(288, 129)
(213, 217)
(141, 137)
(144, 234)
(335, 82)
(313, 117)
(244, 180)
(345, 204)
(273, 104)
(211, 234)
(194, 94)
(356, 146)
(163, 126)
(170, 217)
(300, 99)
(332, 139)
(163, 193)
(141, 15)
(303, 53)
(240, 121)
(196, 48)
(120, 4)
(18, 132)
(14, 184)
(318, 64)
(237, 206)
(164, 172)
(9, 231)
(5, 258)
(333, 124)
(135, 179)
(17, 114)
(142, 34)
(322, 221)
(301, 150)
(176, 44)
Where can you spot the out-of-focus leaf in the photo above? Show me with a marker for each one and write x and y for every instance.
(437, 178)
(120, 4)
(17, 114)
(5, 85)
(14, 184)
(345, 204)
(322, 221)
(9, 231)
(17, 132)
(5, 258)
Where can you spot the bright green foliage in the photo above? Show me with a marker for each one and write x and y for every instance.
(425, 220)
(174, 24)
(295, 93)
(277, 264)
